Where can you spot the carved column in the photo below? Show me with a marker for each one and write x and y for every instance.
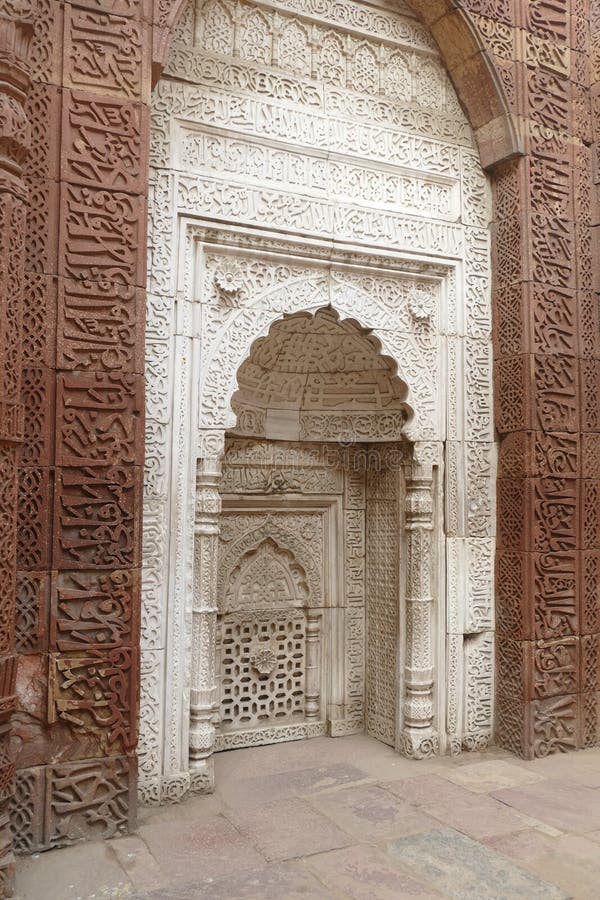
(313, 665)
(203, 693)
(14, 144)
(547, 385)
(419, 739)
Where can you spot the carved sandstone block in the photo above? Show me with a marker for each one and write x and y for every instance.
(104, 142)
(102, 234)
(94, 610)
(103, 53)
(99, 419)
(93, 694)
(100, 326)
(89, 799)
(95, 521)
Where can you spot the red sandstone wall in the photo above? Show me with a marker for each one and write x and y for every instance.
(547, 355)
(82, 354)
(80, 499)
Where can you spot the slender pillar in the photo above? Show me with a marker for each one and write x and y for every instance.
(313, 665)
(203, 693)
(419, 738)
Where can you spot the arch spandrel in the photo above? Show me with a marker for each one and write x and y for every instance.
(465, 50)
(415, 363)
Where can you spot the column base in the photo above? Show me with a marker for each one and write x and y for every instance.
(202, 776)
(419, 744)
(166, 789)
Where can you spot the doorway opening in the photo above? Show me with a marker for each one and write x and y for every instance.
(310, 572)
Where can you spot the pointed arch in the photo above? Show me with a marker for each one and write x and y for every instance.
(474, 76)
(464, 51)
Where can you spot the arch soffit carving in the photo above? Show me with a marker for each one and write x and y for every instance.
(344, 314)
(347, 336)
(463, 49)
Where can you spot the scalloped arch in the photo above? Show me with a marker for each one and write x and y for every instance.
(318, 363)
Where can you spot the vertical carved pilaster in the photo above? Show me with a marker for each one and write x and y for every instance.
(15, 32)
(313, 665)
(203, 693)
(419, 738)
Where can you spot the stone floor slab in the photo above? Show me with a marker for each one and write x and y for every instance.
(316, 819)
(73, 873)
(287, 881)
(460, 867)
(564, 804)
(424, 789)
(134, 857)
(569, 861)
(287, 829)
(193, 808)
(367, 873)
(477, 816)
(370, 813)
(214, 847)
(492, 775)
(298, 782)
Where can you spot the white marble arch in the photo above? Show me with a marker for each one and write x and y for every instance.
(279, 188)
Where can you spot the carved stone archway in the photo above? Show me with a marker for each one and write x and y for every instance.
(410, 262)
(377, 414)
(467, 44)
(533, 61)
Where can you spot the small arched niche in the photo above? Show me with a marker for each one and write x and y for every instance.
(320, 377)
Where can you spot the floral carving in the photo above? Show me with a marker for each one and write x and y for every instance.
(421, 303)
(264, 658)
(229, 280)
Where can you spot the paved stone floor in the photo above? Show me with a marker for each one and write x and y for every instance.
(348, 818)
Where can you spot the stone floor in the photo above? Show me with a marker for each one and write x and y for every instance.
(348, 818)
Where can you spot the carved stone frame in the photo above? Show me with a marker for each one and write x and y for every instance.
(418, 715)
(432, 677)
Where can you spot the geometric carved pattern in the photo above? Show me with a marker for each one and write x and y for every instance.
(267, 577)
(382, 607)
(302, 568)
(268, 634)
(262, 668)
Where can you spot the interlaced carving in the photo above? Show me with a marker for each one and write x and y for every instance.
(381, 587)
(267, 577)
(263, 669)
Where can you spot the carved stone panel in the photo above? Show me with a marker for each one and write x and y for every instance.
(311, 167)
(382, 604)
(269, 627)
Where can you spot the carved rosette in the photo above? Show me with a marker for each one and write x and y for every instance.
(419, 740)
(203, 693)
(263, 657)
